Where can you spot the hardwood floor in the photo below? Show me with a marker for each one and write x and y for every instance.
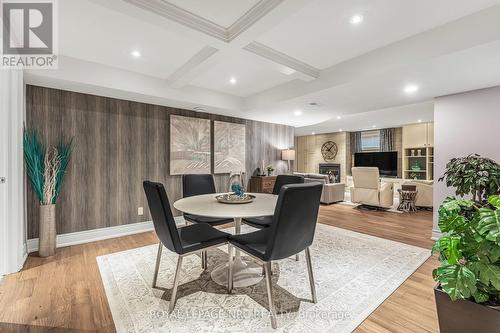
(65, 293)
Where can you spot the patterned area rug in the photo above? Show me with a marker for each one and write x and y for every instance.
(354, 274)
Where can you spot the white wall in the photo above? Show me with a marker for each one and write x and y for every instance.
(12, 226)
(464, 124)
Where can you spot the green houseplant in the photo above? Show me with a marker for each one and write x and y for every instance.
(468, 293)
(46, 169)
(474, 175)
(269, 169)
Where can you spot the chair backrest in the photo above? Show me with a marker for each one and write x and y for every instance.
(366, 177)
(163, 220)
(197, 185)
(282, 180)
(294, 220)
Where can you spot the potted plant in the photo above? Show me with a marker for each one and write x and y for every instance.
(269, 169)
(468, 290)
(46, 169)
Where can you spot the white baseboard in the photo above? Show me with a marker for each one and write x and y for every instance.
(436, 234)
(88, 236)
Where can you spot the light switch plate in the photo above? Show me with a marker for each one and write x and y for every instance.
(140, 211)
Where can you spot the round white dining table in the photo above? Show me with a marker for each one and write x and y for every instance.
(246, 272)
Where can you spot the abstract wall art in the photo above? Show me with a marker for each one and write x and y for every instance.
(229, 147)
(189, 145)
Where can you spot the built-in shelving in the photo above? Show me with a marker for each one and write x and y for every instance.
(418, 151)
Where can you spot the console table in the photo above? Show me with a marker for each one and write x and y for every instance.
(262, 184)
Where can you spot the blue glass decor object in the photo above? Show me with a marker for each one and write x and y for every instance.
(237, 189)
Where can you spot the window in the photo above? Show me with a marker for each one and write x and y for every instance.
(370, 140)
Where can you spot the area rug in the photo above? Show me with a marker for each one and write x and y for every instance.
(354, 274)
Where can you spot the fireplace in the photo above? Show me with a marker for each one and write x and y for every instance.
(332, 170)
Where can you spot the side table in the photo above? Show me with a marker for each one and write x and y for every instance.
(407, 201)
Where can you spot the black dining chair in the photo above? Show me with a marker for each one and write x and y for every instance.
(281, 180)
(262, 222)
(184, 241)
(291, 231)
(199, 184)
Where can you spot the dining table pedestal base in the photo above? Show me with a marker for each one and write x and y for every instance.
(245, 273)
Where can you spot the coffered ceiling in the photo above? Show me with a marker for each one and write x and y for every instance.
(296, 62)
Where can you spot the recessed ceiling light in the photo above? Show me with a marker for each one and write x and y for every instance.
(339, 117)
(233, 80)
(297, 112)
(313, 133)
(420, 120)
(356, 19)
(135, 54)
(373, 126)
(411, 89)
(341, 130)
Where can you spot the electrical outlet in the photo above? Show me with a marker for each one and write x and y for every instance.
(140, 211)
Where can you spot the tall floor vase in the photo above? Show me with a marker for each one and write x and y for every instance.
(47, 233)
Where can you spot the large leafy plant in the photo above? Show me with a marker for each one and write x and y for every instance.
(45, 167)
(470, 250)
(473, 175)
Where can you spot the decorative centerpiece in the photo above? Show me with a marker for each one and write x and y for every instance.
(233, 198)
(46, 169)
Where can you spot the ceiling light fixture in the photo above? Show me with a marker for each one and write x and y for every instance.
(356, 19)
(232, 80)
(411, 89)
(374, 126)
(420, 120)
(313, 133)
(135, 54)
(341, 130)
(339, 117)
(297, 113)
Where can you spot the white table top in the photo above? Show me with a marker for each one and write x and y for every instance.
(207, 205)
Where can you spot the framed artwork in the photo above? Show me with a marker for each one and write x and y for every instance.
(189, 145)
(229, 147)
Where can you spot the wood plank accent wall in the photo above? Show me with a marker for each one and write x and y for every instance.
(119, 144)
(308, 152)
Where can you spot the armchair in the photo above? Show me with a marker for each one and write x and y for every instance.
(368, 190)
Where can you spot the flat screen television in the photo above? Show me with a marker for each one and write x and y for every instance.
(386, 162)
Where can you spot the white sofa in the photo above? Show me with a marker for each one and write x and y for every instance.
(369, 190)
(332, 192)
(424, 192)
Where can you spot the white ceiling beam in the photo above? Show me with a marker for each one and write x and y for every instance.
(201, 24)
(477, 29)
(176, 78)
(309, 72)
(264, 15)
(93, 78)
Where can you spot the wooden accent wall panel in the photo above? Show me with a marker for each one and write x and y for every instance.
(118, 144)
(309, 157)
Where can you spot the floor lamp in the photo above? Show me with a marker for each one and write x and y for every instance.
(288, 155)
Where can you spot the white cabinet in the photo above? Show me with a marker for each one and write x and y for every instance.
(418, 135)
(430, 135)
